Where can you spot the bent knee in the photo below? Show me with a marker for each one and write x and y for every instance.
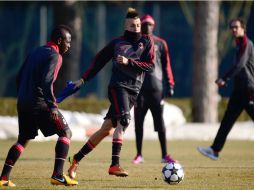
(106, 133)
(106, 127)
(125, 121)
(66, 133)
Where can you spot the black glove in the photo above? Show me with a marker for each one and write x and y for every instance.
(170, 91)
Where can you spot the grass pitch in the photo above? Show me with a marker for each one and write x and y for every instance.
(234, 170)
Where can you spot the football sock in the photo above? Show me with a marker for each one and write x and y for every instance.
(116, 149)
(139, 140)
(61, 150)
(163, 143)
(88, 147)
(13, 155)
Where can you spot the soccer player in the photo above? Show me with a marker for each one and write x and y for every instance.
(37, 108)
(132, 55)
(152, 93)
(242, 97)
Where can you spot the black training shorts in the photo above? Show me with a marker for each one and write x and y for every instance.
(30, 122)
(122, 100)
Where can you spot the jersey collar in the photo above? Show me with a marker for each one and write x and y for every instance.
(53, 45)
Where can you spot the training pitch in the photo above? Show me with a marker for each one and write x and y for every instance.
(234, 169)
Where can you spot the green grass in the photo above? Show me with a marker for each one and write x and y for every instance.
(234, 170)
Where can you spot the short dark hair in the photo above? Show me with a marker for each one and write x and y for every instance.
(132, 13)
(239, 20)
(59, 31)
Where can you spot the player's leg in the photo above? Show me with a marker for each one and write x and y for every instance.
(122, 101)
(12, 157)
(94, 140)
(117, 142)
(250, 104)
(157, 108)
(61, 151)
(27, 130)
(49, 127)
(121, 116)
(234, 109)
(140, 110)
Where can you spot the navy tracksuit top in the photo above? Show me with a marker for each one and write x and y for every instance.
(36, 77)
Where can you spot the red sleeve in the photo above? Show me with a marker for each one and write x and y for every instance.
(146, 62)
(165, 61)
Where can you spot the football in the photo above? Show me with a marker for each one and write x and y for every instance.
(172, 173)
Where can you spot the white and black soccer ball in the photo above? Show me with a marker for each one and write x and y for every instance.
(172, 173)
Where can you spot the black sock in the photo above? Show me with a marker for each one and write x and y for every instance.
(116, 149)
(61, 150)
(88, 147)
(163, 143)
(13, 155)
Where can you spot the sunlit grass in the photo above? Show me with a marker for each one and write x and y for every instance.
(234, 170)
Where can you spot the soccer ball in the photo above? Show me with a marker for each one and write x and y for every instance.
(172, 173)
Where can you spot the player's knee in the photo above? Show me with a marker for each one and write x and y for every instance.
(125, 121)
(104, 132)
(106, 127)
(68, 133)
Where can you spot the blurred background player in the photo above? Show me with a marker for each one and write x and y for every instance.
(37, 108)
(152, 93)
(132, 55)
(242, 97)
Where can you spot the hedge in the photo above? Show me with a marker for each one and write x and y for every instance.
(94, 105)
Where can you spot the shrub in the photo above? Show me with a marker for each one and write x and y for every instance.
(94, 105)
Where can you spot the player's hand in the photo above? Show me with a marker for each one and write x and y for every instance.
(54, 115)
(122, 60)
(220, 82)
(78, 83)
(170, 91)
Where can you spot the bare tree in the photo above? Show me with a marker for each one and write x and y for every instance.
(70, 13)
(205, 62)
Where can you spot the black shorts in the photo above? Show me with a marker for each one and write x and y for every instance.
(122, 100)
(30, 122)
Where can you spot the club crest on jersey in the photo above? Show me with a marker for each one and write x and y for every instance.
(141, 45)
